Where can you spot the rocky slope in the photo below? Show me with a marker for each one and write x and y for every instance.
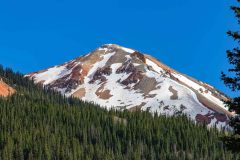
(5, 90)
(114, 76)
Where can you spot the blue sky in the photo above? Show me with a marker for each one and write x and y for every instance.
(188, 35)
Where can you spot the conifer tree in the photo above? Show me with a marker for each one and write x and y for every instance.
(232, 80)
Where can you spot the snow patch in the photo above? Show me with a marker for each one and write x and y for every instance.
(128, 57)
(127, 50)
(196, 86)
(153, 65)
(51, 74)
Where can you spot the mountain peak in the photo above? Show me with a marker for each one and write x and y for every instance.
(116, 46)
(123, 78)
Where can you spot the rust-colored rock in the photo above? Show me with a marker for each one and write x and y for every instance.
(6, 90)
(79, 93)
(138, 55)
(103, 94)
(69, 81)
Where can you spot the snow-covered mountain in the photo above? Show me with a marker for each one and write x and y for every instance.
(115, 76)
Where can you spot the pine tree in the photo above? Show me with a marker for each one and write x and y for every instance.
(233, 79)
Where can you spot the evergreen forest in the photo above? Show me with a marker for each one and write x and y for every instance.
(38, 123)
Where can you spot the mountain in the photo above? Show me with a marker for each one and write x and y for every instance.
(5, 90)
(123, 78)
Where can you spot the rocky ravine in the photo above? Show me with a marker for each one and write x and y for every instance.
(114, 76)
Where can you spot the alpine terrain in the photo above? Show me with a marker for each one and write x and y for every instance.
(123, 78)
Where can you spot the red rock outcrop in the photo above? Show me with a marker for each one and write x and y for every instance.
(6, 90)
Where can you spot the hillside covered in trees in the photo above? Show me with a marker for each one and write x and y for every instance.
(39, 123)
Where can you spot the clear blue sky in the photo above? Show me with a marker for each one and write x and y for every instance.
(188, 35)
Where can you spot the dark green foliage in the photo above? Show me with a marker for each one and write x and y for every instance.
(233, 79)
(39, 123)
(232, 142)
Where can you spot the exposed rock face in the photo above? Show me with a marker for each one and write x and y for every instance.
(207, 118)
(5, 90)
(69, 81)
(127, 67)
(139, 56)
(79, 93)
(146, 85)
(114, 76)
(99, 74)
(174, 95)
(133, 78)
(103, 94)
